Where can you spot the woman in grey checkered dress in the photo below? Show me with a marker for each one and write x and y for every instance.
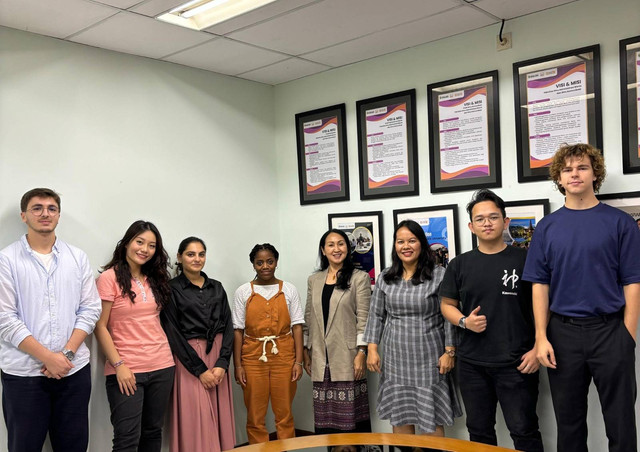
(416, 389)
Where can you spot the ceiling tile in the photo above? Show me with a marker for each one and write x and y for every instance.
(132, 33)
(258, 15)
(334, 21)
(122, 4)
(402, 37)
(226, 57)
(52, 18)
(509, 9)
(284, 71)
(153, 8)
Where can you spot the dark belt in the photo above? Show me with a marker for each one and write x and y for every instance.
(587, 321)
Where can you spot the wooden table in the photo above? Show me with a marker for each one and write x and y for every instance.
(389, 439)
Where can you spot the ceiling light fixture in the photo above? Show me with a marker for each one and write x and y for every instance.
(200, 14)
(202, 8)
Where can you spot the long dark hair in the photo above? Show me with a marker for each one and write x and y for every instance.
(426, 260)
(155, 269)
(183, 246)
(344, 274)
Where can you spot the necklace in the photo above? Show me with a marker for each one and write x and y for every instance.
(141, 287)
(406, 275)
(332, 276)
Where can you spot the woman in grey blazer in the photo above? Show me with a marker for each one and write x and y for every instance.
(336, 312)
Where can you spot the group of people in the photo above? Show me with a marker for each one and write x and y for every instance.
(159, 336)
(496, 313)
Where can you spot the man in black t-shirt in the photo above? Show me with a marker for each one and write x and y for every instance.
(482, 292)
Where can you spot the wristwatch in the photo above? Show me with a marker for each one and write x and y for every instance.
(451, 353)
(462, 323)
(68, 353)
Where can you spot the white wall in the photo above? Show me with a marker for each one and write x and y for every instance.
(575, 25)
(123, 138)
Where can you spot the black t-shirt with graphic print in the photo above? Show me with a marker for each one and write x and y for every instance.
(493, 282)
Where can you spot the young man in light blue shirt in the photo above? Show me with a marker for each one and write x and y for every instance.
(48, 306)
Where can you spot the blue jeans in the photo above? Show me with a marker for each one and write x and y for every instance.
(483, 387)
(137, 419)
(34, 405)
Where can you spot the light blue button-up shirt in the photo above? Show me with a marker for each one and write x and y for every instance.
(47, 305)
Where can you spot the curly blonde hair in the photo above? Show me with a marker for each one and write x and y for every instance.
(578, 151)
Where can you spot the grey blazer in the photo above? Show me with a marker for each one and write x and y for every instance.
(348, 312)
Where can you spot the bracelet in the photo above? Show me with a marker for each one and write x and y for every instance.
(300, 364)
(118, 364)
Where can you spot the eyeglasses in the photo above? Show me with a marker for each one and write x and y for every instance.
(492, 219)
(38, 210)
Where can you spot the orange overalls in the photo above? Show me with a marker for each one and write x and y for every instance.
(267, 323)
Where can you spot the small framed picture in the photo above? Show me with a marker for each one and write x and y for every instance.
(321, 137)
(364, 230)
(440, 225)
(627, 202)
(523, 219)
(387, 145)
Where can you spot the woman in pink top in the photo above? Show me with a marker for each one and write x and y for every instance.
(139, 367)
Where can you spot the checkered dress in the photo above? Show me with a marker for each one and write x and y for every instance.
(406, 321)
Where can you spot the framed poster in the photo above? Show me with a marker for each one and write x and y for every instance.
(630, 101)
(557, 101)
(387, 145)
(440, 225)
(364, 230)
(321, 137)
(464, 133)
(523, 219)
(627, 202)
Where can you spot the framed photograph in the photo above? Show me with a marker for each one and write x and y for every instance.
(364, 230)
(387, 145)
(321, 137)
(464, 133)
(557, 101)
(523, 219)
(440, 225)
(627, 202)
(630, 101)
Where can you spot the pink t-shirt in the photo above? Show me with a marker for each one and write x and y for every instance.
(135, 327)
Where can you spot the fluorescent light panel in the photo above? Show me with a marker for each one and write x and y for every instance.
(199, 14)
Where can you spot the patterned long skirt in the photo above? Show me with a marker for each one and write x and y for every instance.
(340, 406)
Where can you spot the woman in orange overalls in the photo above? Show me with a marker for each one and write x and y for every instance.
(267, 347)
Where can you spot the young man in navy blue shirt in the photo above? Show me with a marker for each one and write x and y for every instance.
(583, 263)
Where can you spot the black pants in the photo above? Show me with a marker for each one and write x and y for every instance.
(483, 387)
(598, 348)
(33, 406)
(137, 419)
